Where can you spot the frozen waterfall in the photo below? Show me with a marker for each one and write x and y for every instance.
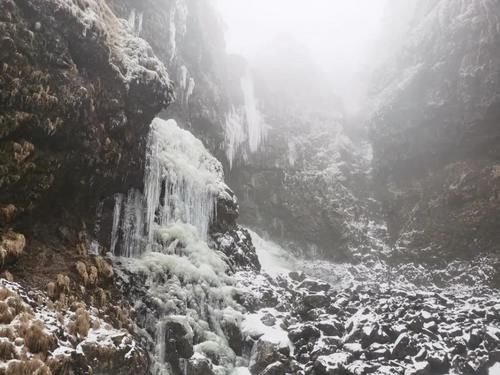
(181, 184)
(161, 237)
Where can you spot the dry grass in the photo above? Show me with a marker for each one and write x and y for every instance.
(7, 276)
(63, 282)
(7, 350)
(80, 323)
(28, 367)
(51, 290)
(4, 293)
(7, 332)
(102, 297)
(12, 245)
(37, 340)
(105, 269)
(93, 275)
(35, 337)
(81, 268)
(6, 315)
(17, 305)
(8, 213)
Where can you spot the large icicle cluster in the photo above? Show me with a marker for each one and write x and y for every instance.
(182, 179)
(182, 183)
(161, 236)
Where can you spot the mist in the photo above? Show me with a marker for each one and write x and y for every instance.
(339, 36)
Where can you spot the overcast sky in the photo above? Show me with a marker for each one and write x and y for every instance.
(340, 34)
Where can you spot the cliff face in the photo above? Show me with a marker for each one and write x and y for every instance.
(435, 132)
(307, 182)
(78, 93)
(188, 38)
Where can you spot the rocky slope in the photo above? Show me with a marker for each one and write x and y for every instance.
(435, 134)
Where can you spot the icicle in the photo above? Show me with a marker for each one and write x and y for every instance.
(116, 221)
(139, 23)
(189, 90)
(292, 152)
(234, 135)
(183, 80)
(94, 244)
(135, 21)
(256, 129)
(133, 225)
(131, 19)
(172, 34)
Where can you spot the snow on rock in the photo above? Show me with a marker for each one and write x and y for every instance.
(265, 325)
(74, 336)
(132, 57)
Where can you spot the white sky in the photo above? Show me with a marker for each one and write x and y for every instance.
(340, 34)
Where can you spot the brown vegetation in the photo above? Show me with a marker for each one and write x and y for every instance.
(105, 269)
(11, 246)
(81, 268)
(7, 350)
(80, 323)
(29, 367)
(35, 337)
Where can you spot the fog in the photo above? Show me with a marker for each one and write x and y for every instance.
(340, 35)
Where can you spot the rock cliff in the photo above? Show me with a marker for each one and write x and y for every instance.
(435, 134)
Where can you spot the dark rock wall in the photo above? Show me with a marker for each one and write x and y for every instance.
(76, 98)
(188, 35)
(307, 183)
(435, 132)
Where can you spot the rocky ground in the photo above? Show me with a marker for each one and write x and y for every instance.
(301, 325)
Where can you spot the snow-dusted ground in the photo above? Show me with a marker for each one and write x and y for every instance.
(40, 322)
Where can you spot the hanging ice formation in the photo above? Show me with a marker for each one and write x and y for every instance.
(254, 131)
(234, 134)
(183, 78)
(161, 235)
(190, 89)
(181, 184)
(135, 21)
(176, 25)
